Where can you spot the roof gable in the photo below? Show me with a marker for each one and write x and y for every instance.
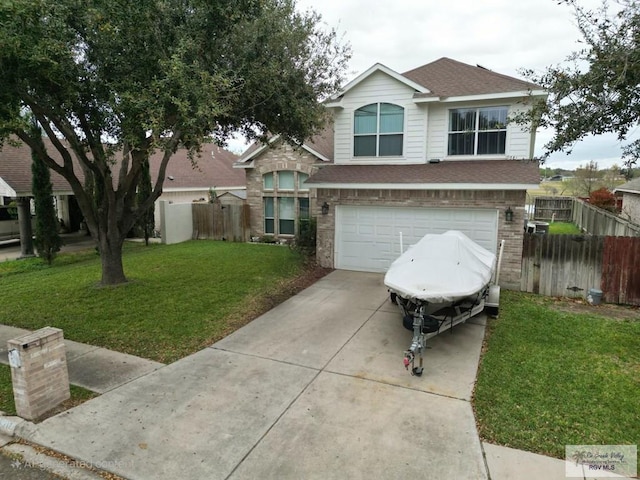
(378, 67)
(320, 146)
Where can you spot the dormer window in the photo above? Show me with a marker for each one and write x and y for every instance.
(477, 131)
(378, 130)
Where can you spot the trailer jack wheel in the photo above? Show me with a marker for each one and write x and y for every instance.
(417, 371)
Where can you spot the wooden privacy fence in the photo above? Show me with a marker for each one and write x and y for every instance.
(588, 218)
(215, 221)
(553, 208)
(571, 265)
(600, 222)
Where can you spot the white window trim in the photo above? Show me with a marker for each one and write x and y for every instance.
(377, 134)
(276, 193)
(476, 131)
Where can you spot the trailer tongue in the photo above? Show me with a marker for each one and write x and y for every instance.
(439, 282)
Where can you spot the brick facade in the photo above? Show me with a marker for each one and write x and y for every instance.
(512, 232)
(282, 157)
(41, 380)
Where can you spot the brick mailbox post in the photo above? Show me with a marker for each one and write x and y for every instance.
(38, 371)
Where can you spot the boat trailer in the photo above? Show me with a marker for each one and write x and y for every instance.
(427, 320)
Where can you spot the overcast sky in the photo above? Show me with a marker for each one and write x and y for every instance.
(502, 35)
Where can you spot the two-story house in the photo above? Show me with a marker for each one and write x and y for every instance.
(425, 151)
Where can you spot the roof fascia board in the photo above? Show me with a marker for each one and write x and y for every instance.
(199, 189)
(314, 153)
(425, 186)
(626, 190)
(484, 96)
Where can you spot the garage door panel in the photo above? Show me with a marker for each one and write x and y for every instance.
(368, 238)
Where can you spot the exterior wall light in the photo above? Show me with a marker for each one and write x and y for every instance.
(325, 208)
(508, 214)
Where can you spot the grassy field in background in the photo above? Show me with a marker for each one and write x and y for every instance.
(549, 189)
(179, 299)
(551, 376)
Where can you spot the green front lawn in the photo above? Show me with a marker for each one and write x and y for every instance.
(180, 298)
(78, 394)
(558, 373)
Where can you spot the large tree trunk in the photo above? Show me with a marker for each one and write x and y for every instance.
(111, 258)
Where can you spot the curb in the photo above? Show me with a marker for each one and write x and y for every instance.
(9, 425)
(31, 458)
(17, 427)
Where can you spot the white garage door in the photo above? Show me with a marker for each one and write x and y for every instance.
(368, 238)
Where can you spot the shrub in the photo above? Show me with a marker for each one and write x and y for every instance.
(305, 241)
(603, 198)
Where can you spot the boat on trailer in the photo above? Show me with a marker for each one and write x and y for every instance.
(441, 281)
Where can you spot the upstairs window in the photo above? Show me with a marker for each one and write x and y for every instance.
(378, 130)
(478, 131)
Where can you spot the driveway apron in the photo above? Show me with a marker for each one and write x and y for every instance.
(314, 388)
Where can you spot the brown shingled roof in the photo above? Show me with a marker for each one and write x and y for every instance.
(447, 172)
(323, 142)
(449, 78)
(15, 169)
(212, 170)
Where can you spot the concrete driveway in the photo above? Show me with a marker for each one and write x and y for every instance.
(315, 388)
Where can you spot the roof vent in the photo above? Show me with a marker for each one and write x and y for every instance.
(434, 160)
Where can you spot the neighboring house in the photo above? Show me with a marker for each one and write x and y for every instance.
(421, 152)
(630, 192)
(280, 201)
(185, 181)
(15, 182)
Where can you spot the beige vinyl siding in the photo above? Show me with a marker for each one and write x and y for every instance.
(380, 87)
(518, 139)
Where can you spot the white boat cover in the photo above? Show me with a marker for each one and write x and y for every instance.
(441, 268)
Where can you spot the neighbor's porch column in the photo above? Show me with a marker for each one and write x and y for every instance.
(24, 220)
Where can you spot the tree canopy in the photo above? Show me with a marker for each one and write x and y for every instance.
(598, 90)
(111, 82)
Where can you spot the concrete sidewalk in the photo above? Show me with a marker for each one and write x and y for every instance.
(314, 388)
(94, 368)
